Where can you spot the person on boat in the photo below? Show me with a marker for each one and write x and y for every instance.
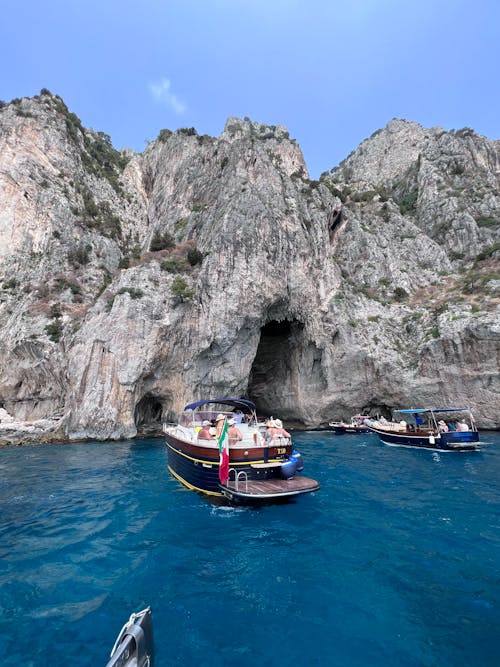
(219, 423)
(238, 416)
(277, 430)
(451, 426)
(204, 432)
(233, 432)
(418, 420)
(462, 426)
(442, 426)
(270, 426)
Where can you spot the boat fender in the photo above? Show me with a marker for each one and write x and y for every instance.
(298, 458)
(432, 440)
(288, 468)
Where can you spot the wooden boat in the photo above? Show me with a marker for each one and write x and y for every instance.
(430, 428)
(258, 470)
(134, 646)
(356, 425)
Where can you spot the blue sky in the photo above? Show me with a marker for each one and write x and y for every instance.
(332, 71)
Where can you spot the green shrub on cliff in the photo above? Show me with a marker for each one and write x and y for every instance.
(181, 289)
(161, 241)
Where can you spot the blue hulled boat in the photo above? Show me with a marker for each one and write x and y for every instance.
(258, 468)
(441, 429)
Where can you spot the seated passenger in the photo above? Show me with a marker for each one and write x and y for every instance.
(270, 426)
(204, 432)
(234, 433)
(279, 430)
(442, 427)
(462, 426)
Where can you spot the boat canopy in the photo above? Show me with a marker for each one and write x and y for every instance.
(242, 404)
(422, 410)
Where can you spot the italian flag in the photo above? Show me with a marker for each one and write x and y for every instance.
(224, 454)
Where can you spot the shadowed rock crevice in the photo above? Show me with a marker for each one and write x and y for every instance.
(272, 376)
(148, 413)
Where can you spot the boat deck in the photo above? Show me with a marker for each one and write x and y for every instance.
(269, 488)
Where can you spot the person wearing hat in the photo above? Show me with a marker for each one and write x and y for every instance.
(442, 427)
(204, 432)
(275, 428)
(279, 430)
(233, 432)
(219, 423)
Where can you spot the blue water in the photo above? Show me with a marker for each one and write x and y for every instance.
(395, 561)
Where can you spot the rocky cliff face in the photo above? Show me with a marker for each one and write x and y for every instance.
(132, 284)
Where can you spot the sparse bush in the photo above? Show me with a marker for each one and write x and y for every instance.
(194, 257)
(181, 289)
(133, 291)
(55, 310)
(54, 330)
(89, 204)
(161, 241)
(489, 251)
(164, 135)
(172, 265)
(400, 294)
(487, 222)
(408, 202)
(79, 255)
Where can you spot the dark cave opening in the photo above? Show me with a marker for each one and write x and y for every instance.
(148, 412)
(271, 379)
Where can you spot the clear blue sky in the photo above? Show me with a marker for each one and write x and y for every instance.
(331, 71)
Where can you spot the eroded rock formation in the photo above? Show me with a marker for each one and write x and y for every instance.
(134, 283)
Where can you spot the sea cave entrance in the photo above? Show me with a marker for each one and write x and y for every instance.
(273, 378)
(148, 413)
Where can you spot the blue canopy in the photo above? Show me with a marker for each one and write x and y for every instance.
(242, 404)
(421, 410)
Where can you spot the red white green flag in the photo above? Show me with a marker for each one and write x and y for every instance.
(224, 454)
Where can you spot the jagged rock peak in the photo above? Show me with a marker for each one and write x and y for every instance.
(237, 127)
(403, 147)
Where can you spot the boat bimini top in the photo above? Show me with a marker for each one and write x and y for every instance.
(242, 404)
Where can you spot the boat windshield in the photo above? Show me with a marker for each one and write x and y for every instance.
(241, 410)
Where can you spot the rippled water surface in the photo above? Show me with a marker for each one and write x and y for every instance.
(395, 561)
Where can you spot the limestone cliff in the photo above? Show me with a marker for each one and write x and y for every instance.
(133, 283)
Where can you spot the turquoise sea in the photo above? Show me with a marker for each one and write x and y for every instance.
(394, 562)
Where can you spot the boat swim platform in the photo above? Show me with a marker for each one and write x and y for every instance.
(268, 489)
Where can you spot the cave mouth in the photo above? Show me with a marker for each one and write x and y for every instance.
(275, 367)
(148, 412)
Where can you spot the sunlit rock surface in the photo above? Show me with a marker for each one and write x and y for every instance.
(132, 284)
